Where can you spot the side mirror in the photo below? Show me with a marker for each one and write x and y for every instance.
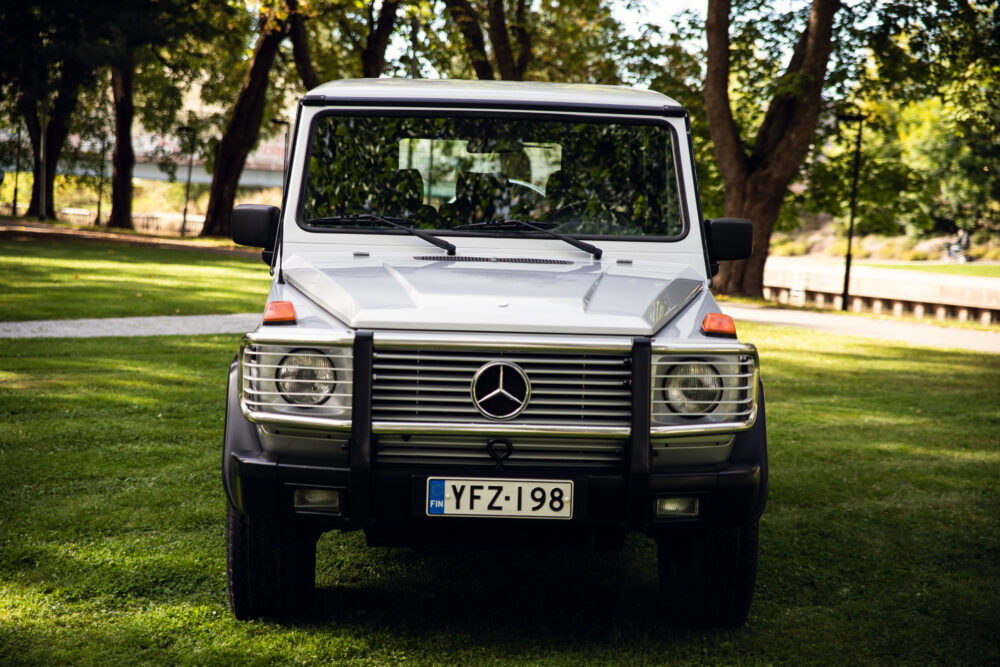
(728, 238)
(255, 225)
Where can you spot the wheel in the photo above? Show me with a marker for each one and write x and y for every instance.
(270, 566)
(707, 575)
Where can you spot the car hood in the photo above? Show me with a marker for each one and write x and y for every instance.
(522, 295)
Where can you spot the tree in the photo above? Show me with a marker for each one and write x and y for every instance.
(49, 54)
(367, 37)
(756, 176)
(511, 59)
(930, 161)
(352, 40)
(243, 126)
(150, 42)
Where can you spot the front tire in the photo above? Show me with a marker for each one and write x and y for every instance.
(270, 566)
(708, 574)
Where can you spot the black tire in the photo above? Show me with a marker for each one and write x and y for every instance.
(270, 566)
(707, 575)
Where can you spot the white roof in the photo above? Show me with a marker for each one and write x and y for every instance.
(505, 93)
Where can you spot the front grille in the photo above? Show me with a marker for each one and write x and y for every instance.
(525, 451)
(571, 389)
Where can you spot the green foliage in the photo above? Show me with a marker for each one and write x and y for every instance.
(53, 280)
(881, 526)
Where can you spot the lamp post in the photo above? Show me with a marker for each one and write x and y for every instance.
(859, 119)
(188, 130)
(100, 181)
(284, 156)
(17, 168)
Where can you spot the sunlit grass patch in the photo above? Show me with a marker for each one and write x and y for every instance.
(68, 280)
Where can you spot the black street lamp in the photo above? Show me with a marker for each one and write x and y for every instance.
(188, 130)
(859, 119)
(284, 157)
(17, 168)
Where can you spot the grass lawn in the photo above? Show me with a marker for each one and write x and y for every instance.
(976, 269)
(880, 543)
(42, 280)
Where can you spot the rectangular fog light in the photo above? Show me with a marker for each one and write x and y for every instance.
(317, 500)
(672, 508)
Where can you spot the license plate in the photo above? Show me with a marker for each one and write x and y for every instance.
(520, 498)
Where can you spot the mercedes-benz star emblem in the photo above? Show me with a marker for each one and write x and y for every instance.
(500, 390)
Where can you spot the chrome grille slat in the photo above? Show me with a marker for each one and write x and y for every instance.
(470, 450)
(481, 359)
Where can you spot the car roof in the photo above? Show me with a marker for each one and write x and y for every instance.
(495, 94)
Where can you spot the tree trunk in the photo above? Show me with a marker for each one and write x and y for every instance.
(56, 132)
(756, 181)
(29, 111)
(500, 39)
(373, 55)
(123, 157)
(242, 130)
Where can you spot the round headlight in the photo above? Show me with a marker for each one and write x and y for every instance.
(306, 377)
(692, 389)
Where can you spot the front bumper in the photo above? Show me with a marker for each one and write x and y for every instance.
(388, 500)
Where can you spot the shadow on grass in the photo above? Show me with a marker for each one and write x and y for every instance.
(497, 599)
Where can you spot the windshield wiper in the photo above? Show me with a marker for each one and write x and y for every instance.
(360, 218)
(521, 224)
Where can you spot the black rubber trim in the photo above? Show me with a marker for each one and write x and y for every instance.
(247, 486)
(360, 445)
(316, 100)
(437, 110)
(711, 267)
(638, 455)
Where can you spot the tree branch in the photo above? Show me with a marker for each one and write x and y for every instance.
(790, 122)
(722, 127)
(373, 55)
(475, 46)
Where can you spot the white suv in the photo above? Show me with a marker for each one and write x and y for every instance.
(490, 324)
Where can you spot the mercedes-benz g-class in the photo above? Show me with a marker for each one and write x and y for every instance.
(490, 324)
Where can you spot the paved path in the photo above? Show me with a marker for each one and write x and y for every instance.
(927, 335)
(132, 326)
(916, 334)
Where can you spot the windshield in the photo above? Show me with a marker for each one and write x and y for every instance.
(576, 177)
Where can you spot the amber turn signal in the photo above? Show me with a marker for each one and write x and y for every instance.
(717, 324)
(279, 312)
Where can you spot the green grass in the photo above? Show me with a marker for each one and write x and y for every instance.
(880, 543)
(976, 269)
(66, 280)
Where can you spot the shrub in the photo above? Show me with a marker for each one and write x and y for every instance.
(789, 249)
(915, 256)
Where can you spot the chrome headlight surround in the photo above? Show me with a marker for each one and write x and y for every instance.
(703, 389)
(296, 382)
